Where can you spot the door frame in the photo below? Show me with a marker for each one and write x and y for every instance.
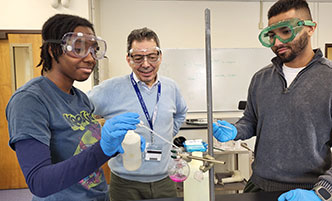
(4, 32)
(12, 168)
(328, 49)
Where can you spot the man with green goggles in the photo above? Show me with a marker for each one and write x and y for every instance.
(285, 31)
(289, 111)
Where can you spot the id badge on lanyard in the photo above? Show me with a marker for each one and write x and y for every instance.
(153, 152)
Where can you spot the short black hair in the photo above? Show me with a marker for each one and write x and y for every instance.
(282, 6)
(54, 29)
(140, 35)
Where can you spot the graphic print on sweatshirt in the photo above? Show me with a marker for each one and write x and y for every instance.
(86, 121)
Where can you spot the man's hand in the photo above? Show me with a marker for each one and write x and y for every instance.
(224, 131)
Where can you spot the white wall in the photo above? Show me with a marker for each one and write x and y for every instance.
(180, 24)
(31, 15)
(324, 24)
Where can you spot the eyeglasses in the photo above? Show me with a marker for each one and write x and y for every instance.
(138, 58)
(80, 45)
(285, 31)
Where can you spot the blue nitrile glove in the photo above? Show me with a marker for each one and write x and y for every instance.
(299, 195)
(142, 143)
(224, 131)
(114, 130)
(205, 144)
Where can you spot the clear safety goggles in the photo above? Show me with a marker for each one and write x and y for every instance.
(285, 31)
(138, 56)
(77, 44)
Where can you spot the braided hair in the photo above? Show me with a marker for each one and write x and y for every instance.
(54, 29)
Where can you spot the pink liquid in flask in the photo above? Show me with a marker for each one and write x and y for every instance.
(178, 177)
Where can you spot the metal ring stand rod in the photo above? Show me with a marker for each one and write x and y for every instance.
(209, 98)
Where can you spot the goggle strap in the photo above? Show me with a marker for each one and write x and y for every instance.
(144, 50)
(308, 23)
(53, 41)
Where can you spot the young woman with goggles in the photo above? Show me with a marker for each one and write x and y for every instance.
(58, 141)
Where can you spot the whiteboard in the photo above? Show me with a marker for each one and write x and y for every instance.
(232, 70)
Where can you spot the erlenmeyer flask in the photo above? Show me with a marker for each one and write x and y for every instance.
(178, 170)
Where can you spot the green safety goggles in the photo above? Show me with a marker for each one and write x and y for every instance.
(285, 31)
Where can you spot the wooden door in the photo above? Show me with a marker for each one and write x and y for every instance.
(10, 172)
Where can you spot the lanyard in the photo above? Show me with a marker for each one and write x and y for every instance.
(141, 100)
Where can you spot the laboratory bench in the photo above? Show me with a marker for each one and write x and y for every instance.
(235, 187)
(237, 158)
(260, 196)
(228, 188)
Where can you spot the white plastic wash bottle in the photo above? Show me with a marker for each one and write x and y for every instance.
(131, 144)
